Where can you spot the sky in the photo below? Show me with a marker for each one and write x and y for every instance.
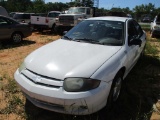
(108, 4)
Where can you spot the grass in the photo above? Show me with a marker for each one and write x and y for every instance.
(140, 89)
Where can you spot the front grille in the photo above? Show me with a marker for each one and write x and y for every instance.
(41, 79)
(45, 104)
(66, 19)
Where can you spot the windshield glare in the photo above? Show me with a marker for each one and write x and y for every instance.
(98, 31)
(76, 10)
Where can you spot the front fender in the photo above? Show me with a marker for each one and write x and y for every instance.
(109, 69)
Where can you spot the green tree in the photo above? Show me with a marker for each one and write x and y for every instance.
(57, 6)
(141, 10)
(3, 3)
(39, 6)
(18, 5)
(85, 3)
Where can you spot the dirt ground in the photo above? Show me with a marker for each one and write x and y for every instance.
(12, 102)
(11, 56)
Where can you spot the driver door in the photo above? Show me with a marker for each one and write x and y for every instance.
(133, 51)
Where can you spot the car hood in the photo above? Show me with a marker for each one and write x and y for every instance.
(63, 58)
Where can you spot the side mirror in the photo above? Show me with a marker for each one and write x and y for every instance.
(135, 41)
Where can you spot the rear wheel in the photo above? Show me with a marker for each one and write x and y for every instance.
(53, 28)
(16, 37)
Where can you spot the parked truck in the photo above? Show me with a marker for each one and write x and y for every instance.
(73, 16)
(44, 22)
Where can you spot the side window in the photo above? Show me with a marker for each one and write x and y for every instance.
(132, 32)
(3, 22)
(26, 16)
(138, 28)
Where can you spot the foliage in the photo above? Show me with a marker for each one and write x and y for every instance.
(86, 3)
(149, 10)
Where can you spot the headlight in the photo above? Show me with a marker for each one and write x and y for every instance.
(22, 67)
(80, 84)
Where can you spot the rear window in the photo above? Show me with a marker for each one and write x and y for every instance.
(53, 14)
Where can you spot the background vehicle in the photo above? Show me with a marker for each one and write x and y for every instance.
(73, 16)
(155, 26)
(82, 72)
(41, 22)
(13, 30)
(23, 17)
(146, 19)
(3, 11)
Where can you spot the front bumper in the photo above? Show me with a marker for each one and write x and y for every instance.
(58, 100)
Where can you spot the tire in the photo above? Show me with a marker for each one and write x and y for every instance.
(115, 90)
(17, 37)
(53, 28)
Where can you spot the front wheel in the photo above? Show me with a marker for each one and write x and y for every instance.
(115, 90)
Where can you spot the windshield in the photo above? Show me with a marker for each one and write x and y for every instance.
(98, 32)
(76, 10)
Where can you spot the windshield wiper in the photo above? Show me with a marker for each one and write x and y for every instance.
(66, 37)
(88, 40)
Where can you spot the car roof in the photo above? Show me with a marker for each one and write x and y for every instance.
(112, 18)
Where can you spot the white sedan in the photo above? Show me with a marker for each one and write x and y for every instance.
(82, 72)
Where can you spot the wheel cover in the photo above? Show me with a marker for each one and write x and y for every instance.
(117, 89)
(17, 38)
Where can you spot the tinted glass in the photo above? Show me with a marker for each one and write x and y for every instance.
(53, 14)
(6, 21)
(26, 16)
(18, 16)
